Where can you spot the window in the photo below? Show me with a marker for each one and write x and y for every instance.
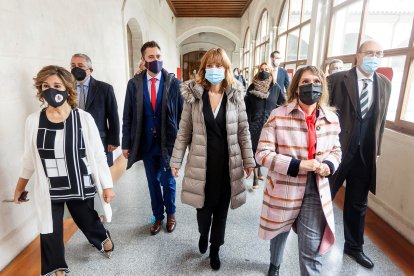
(246, 53)
(355, 21)
(407, 113)
(293, 32)
(262, 40)
(346, 23)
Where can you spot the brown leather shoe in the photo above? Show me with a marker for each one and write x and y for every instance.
(156, 227)
(171, 223)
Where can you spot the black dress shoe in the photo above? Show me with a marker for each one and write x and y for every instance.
(203, 244)
(360, 258)
(214, 257)
(273, 270)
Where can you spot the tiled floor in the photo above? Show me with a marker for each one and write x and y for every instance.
(138, 253)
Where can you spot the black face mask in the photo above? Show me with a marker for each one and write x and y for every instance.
(264, 75)
(154, 66)
(78, 73)
(55, 97)
(310, 93)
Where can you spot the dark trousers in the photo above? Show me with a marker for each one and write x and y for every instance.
(109, 155)
(357, 176)
(218, 214)
(52, 246)
(158, 177)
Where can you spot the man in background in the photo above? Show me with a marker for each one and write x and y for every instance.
(97, 98)
(336, 65)
(361, 97)
(238, 76)
(152, 111)
(280, 75)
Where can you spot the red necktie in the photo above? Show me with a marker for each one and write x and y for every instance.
(153, 93)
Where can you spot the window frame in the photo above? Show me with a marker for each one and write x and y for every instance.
(246, 52)
(265, 43)
(397, 124)
(288, 30)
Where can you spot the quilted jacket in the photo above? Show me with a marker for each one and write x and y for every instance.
(192, 133)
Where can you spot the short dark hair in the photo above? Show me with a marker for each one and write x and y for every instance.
(274, 52)
(149, 44)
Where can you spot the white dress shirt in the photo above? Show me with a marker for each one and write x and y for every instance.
(275, 71)
(157, 84)
(360, 77)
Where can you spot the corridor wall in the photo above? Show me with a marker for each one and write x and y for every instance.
(42, 32)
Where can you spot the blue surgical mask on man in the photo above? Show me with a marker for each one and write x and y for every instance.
(370, 64)
(215, 75)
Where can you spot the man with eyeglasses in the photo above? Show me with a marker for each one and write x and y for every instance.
(361, 97)
(97, 98)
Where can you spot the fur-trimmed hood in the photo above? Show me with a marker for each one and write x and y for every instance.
(192, 91)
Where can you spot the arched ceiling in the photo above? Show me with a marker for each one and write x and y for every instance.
(209, 38)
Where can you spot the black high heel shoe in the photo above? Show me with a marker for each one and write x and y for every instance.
(108, 252)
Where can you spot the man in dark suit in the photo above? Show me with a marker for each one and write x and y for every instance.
(280, 75)
(97, 98)
(361, 96)
(152, 111)
(238, 76)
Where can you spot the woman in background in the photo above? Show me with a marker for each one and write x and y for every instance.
(261, 98)
(64, 152)
(214, 125)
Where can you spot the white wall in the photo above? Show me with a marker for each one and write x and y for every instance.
(42, 32)
(157, 22)
(395, 183)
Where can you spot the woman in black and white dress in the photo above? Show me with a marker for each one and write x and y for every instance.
(64, 153)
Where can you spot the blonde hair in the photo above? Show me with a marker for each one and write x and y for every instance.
(217, 56)
(292, 93)
(257, 74)
(63, 74)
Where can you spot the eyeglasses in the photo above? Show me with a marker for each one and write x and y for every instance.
(378, 54)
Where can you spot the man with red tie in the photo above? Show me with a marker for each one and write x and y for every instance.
(152, 112)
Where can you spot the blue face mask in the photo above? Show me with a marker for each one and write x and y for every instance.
(215, 75)
(154, 66)
(370, 64)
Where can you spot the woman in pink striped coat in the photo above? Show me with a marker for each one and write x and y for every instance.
(299, 144)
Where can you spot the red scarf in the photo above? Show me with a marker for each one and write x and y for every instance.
(310, 122)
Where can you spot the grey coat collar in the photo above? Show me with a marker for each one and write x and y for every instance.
(192, 91)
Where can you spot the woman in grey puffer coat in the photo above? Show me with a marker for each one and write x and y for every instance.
(214, 125)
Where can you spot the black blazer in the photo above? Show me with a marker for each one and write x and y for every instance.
(101, 104)
(343, 94)
(172, 105)
(258, 110)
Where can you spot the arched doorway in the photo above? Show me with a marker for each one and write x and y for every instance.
(191, 63)
(134, 37)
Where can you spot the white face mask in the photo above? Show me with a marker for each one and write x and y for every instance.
(335, 70)
(276, 63)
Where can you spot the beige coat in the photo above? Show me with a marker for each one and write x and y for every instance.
(192, 132)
